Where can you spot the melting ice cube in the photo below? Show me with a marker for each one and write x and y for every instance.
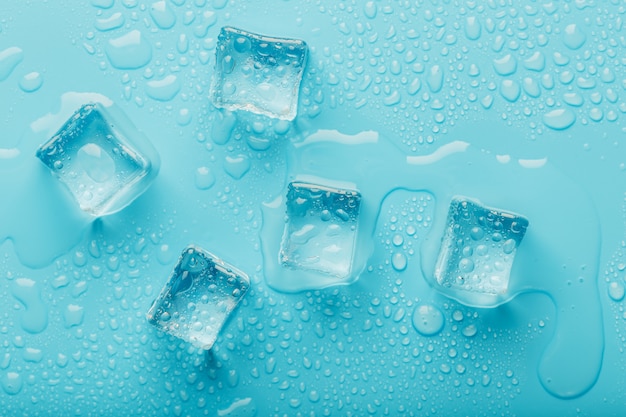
(103, 160)
(477, 251)
(257, 73)
(198, 298)
(321, 229)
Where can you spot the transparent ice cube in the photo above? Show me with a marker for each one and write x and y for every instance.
(198, 298)
(321, 229)
(101, 158)
(257, 73)
(477, 250)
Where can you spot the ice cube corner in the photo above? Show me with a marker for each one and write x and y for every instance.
(257, 73)
(321, 229)
(102, 159)
(198, 298)
(477, 252)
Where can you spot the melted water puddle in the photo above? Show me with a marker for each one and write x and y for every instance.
(559, 257)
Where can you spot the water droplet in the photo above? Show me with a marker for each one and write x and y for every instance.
(510, 90)
(223, 127)
(9, 59)
(184, 117)
(573, 99)
(12, 383)
(102, 4)
(240, 408)
(469, 331)
(370, 10)
(472, 28)
(73, 315)
(616, 291)
(559, 119)
(162, 15)
(35, 317)
(506, 65)
(573, 36)
(129, 51)
(164, 89)
(435, 78)
(207, 20)
(428, 320)
(399, 261)
(536, 62)
(531, 87)
(204, 178)
(31, 82)
(237, 166)
(487, 101)
(258, 143)
(115, 21)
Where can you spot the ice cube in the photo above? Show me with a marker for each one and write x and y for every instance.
(321, 229)
(477, 250)
(101, 158)
(198, 298)
(257, 73)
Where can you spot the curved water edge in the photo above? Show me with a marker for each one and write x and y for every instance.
(552, 259)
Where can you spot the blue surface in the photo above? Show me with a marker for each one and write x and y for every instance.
(519, 107)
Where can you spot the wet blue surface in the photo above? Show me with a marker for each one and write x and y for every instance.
(519, 107)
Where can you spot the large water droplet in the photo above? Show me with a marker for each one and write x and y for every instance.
(162, 15)
(472, 28)
(573, 36)
(399, 261)
(129, 51)
(559, 119)
(35, 317)
(31, 82)
(435, 78)
(237, 166)
(616, 291)
(164, 89)
(204, 178)
(12, 383)
(536, 62)
(428, 319)
(506, 65)
(510, 90)
(115, 21)
(9, 58)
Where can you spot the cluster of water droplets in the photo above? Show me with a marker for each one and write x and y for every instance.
(374, 346)
(538, 66)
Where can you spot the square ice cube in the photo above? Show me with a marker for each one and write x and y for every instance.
(257, 73)
(478, 248)
(103, 160)
(321, 229)
(198, 298)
